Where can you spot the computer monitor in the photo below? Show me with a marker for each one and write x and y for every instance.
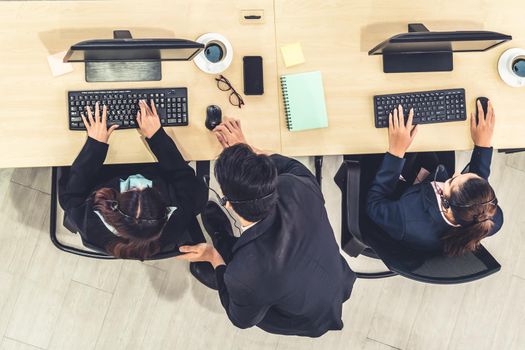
(420, 50)
(126, 59)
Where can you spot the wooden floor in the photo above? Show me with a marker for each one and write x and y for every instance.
(53, 300)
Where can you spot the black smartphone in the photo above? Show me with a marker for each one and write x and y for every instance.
(253, 75)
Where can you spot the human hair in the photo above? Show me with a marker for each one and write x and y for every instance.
(248, 180)
(138, 216)
(473, 205)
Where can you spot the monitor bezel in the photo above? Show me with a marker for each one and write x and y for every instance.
(439, 37)
(134, 44)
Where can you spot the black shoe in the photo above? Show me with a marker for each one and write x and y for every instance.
(215, 220)
(204, 273)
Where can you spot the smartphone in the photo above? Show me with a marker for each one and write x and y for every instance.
(253, 75)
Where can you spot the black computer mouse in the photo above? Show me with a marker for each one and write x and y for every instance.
(213, 116)
(484, 104)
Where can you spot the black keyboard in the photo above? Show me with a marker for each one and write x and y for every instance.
(171, 104)
(429, 106)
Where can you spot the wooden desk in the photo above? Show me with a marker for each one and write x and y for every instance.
(336, 36)
(33, 110)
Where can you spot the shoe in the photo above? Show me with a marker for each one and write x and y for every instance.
(204, 273)
(215, 220)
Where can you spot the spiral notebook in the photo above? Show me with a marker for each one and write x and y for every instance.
(304, 103)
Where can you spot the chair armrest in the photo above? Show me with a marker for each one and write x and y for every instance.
(347, 179)
(353, 175)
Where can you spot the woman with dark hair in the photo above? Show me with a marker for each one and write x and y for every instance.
(132, 211)
(416, 201)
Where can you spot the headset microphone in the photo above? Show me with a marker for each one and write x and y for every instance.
(444, 202)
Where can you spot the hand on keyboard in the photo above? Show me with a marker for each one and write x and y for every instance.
(400, 135)
(148, 119)
(171, 105)
(96, 125)
(430, 107)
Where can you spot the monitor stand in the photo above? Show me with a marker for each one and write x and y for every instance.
(417, 61)
(97, 71)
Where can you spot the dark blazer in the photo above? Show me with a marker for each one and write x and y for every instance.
(286, 275)
(415, 218)
(172, 176)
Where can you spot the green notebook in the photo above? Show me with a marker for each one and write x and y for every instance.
(304, 105)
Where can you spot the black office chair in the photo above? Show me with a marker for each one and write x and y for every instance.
(400, 260)
(90, 251)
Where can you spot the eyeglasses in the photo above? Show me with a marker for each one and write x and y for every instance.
(224, 85)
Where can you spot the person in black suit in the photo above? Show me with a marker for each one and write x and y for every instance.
(439, 212)
(132, 211)
(284, 274)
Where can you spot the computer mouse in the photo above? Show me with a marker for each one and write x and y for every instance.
(213, 116)
(484, 104)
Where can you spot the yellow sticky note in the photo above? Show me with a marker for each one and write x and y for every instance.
(292, 54)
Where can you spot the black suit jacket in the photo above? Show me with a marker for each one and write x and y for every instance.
(172, 176)
(287, 275)
(415, 218)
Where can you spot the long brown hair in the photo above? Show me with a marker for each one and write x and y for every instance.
(138, 216)
(473, 206)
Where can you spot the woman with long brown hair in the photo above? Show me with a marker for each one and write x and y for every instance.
(132, 211)
(423, 206)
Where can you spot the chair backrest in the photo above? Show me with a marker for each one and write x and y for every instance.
(53, 225)
(93, 252)
(420, 266)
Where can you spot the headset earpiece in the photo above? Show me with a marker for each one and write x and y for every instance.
(113, 205)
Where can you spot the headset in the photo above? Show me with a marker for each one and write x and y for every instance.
(449, 204)
(223, 200)
(115, 207)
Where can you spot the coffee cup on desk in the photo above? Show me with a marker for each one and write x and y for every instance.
(511, 67)
(217, 54)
